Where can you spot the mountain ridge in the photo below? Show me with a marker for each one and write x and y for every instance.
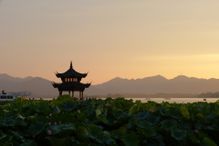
(41, 87)
(36, 86)
(157, 84)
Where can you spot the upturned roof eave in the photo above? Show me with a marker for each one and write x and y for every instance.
(71, 73)
(72, 85)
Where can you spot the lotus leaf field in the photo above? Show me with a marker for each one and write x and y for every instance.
(111, 122)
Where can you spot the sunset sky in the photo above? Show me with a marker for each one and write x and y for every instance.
(110, 38)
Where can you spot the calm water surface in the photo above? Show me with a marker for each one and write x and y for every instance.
(176, 100)
(170, 100)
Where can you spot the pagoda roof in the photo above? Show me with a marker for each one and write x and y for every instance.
(76, 86)
(71, 73)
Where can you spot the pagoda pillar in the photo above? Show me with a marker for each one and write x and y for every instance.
(73, 93)
(81, 95)
(60, 93)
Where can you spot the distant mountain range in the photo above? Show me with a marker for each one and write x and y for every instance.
(32, 86)
(181, 85)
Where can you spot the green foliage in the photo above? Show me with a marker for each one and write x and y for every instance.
(110, 122)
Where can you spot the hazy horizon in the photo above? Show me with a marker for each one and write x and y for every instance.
(115, 77)
(155, 86)
(108, 39)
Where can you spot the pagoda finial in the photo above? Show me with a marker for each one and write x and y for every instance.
(71, 66)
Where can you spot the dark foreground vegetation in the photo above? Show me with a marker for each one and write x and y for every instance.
(110, 122)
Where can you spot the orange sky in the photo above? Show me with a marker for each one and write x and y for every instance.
(125, 38)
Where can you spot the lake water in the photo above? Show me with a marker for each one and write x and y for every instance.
(170, 100)
(176, 100)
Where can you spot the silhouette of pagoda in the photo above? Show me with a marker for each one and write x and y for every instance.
(71, 82)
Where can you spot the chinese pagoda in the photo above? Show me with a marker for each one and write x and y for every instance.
(71, 82)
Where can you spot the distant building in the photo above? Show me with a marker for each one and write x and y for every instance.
(71, 82)
(6, 96)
